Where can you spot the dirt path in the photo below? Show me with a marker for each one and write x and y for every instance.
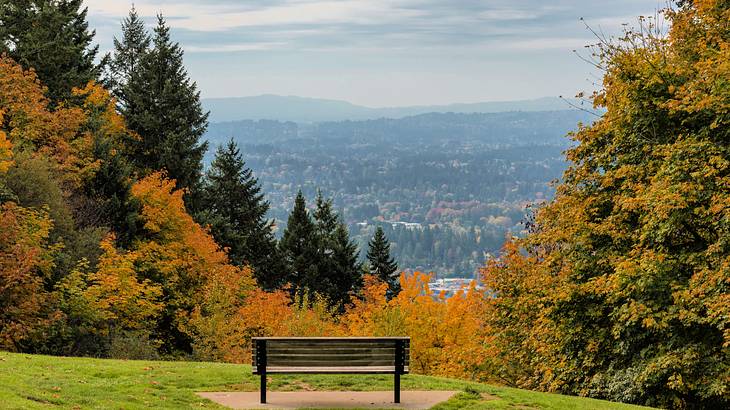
(415, 400)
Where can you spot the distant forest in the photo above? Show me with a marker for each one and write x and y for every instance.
(447, 188)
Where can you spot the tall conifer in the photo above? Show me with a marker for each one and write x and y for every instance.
(235, 209)
(346, 276)
(53, 38)
(128, 52)
(298, 248)
(381, 264)
(163, 106)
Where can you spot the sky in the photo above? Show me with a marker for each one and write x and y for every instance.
(383, 53)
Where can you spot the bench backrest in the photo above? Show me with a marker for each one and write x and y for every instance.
(331, 355)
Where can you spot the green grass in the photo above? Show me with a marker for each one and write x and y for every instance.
(42, 382)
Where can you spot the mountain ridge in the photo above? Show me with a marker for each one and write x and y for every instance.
(312, 110)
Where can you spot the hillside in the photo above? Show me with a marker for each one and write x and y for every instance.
(33, 381)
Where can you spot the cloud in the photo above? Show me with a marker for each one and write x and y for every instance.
(229, 48)
(234, 26)
(378, 44)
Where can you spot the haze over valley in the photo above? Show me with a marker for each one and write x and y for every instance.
(447, 187)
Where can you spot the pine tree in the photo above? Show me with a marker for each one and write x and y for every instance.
(52, 37)
(381, 264)
(235, 209)
(110, 188)
(128, 52)
(325, 220)
(346, 275)
(163, 106)
(338, 271)
(298, 247)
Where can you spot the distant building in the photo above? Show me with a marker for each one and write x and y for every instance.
(450, 286)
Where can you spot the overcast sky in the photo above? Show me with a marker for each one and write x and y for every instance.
(382, 52)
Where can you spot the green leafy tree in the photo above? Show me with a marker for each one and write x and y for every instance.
(235, 210)
(162, 105)
(53, 38)
(381, 264)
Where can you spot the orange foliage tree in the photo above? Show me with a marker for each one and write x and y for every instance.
(25, 262)
(30, 125)
(448, 335)
(199, 286)
(6, 151)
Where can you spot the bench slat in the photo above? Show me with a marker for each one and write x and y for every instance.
(304, 351)
(334, 369)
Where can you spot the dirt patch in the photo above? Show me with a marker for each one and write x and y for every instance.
(489, 397)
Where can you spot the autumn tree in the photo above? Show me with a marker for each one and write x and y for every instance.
(53, 38)
(180, 256)
(634, 244)
(26, 308)
(162, 105)
(235, 210)
(381, 264)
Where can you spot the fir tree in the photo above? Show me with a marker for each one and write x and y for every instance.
(298, 249)
(337, 268)
(52, 37)
(346, 276)
(381, 264)
(235, 209)
(163, 106)
(110, 190)
(128, 52)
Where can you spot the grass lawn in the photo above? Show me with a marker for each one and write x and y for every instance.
(41, 382)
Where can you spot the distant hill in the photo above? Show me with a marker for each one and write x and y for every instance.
(309, 110)
(494, 129)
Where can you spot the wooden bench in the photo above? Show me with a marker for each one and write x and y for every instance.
(332, 355)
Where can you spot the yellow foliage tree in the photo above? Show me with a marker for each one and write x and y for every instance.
(118, 297)
(200, 287)
(25, 261)
(6, 151)
(447, 334)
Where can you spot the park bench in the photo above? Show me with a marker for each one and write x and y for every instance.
(331, 355)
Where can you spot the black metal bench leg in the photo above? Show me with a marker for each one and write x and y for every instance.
(263, 387)
(396, 388)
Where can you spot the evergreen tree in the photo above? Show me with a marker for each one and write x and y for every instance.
(110, 189)
(381, 264)
(236, 211)
(128, 52)
(163, 106)
(346, 275)
(298, 249)
(338, 270)
(326, 221)
(52, 37)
